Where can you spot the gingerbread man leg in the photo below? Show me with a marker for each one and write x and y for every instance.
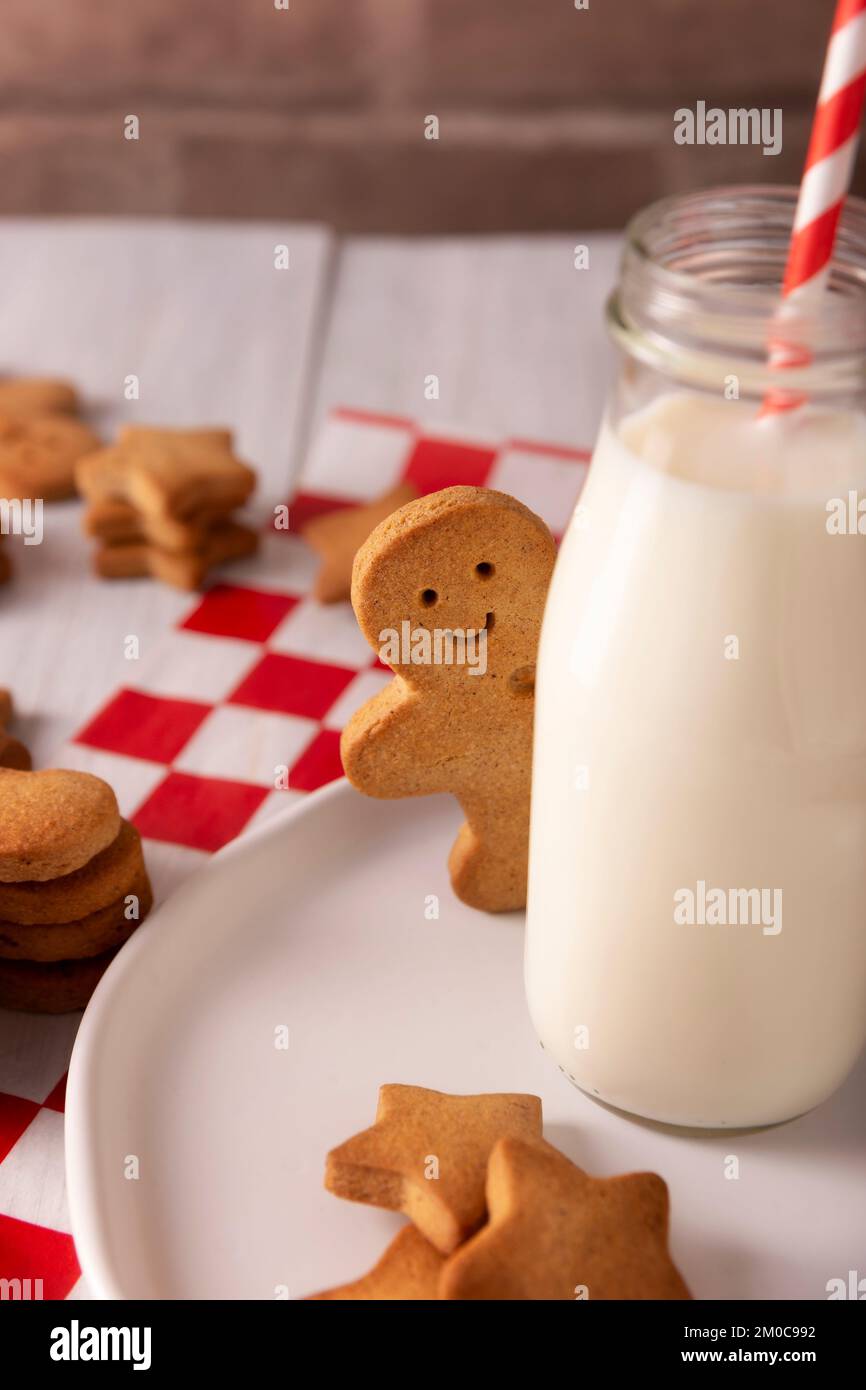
(488, 860)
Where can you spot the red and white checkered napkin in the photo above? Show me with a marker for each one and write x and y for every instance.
(256, 677)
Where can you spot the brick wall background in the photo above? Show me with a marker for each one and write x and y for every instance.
(550, 117)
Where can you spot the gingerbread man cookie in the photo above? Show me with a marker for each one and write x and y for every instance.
(457, 718)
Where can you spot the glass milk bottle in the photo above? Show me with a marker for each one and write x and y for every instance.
(696, 934)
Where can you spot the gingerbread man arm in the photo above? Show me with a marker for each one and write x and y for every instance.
(382, 746)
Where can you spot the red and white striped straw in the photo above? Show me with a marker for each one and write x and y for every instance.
(826, 180)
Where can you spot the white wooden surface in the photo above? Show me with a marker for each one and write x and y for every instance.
(513, 331)
(216, 334)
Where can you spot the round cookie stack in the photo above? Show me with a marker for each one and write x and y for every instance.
(73, 887)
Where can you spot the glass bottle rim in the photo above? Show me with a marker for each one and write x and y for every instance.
(699, 295)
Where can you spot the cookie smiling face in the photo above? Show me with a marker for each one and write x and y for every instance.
(468, 562)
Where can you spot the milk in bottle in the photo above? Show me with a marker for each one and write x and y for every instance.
(696, 934)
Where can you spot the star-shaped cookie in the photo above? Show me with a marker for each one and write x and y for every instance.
(167, 472)
(556, 1233)
(339, 535)
(408, 1271)
(427, 1154)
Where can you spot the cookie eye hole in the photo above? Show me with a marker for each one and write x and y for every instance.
(489, 621)
(522, 681)
(484, 569)
(429, 597)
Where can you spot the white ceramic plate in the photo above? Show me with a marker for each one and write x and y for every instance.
(317, 923)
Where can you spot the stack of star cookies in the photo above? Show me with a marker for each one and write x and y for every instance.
(495, 1211)
(161, 503)
(40, 439)
(73, 887)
